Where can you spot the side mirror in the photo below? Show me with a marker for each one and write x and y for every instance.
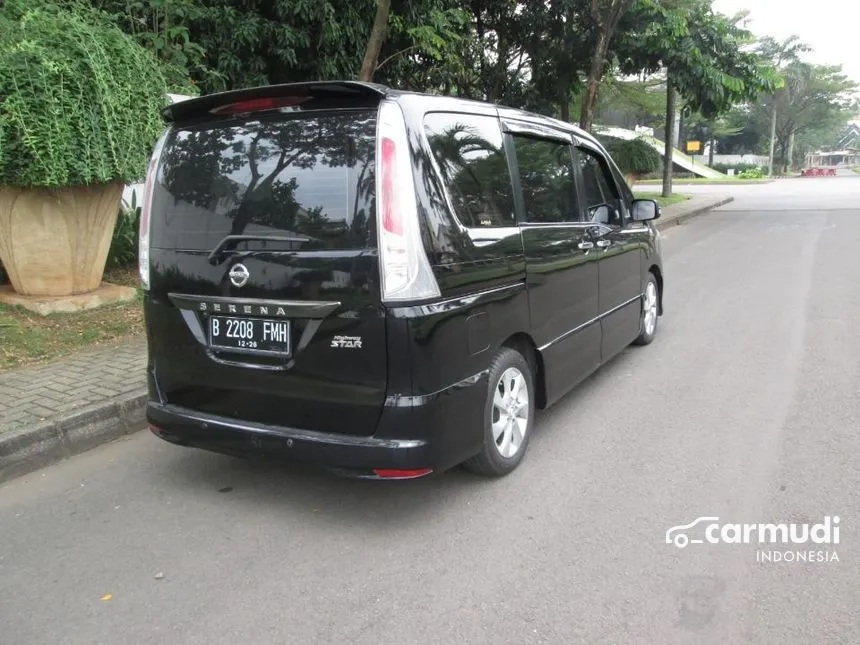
(645, 210)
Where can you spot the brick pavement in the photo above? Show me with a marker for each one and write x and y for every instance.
(29, 395)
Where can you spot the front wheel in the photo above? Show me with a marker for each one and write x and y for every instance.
(508, 415)
(650, 313)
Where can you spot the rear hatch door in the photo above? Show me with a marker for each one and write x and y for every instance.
(264, 301)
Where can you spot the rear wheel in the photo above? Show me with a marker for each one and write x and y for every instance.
(650, 312)
(508, 415)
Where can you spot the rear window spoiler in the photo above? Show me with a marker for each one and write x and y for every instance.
(349, 93)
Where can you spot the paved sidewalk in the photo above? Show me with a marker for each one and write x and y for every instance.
(49, 412)
(31, 395)
(58, 409)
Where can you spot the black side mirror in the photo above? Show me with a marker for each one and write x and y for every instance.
(645, 210)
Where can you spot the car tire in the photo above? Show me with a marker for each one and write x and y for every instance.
(650, 312)
(509, 411)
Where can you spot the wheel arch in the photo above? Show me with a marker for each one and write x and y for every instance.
(525, 345)
(658, 275)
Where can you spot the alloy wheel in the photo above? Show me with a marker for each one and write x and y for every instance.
(510, 412)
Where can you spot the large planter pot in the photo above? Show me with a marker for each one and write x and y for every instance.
(55, 241)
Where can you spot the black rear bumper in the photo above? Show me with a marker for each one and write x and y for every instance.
(435, 432)
(190, 428)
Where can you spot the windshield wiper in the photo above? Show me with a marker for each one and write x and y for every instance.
(232, 240)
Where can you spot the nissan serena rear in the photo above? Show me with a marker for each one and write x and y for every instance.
(312, 291)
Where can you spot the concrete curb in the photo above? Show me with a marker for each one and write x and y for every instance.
(32, 448)
(666, 221)
(38, 446)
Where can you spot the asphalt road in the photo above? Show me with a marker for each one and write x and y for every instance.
(746, 407)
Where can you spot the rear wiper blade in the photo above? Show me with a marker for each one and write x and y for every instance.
(232, 240)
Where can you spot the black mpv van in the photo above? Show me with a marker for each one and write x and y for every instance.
(380, 282)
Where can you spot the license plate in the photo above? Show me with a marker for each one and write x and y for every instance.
(250, 335)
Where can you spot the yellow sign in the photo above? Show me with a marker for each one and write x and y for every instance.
(694, 146)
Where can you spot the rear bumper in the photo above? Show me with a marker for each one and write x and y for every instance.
(435, 432)
(190, 428)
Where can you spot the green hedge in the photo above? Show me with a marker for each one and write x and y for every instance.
(634, 158)
(738, 167)
(79, 99)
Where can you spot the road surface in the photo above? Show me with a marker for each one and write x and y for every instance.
(745, 408)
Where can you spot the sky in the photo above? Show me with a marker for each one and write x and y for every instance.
(830, 27)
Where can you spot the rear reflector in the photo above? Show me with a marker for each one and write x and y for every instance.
(393, 473)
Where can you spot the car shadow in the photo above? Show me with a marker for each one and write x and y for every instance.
(312, 491)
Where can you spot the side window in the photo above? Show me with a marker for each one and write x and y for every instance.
(546, 176)
(470, 154)
(599, 189)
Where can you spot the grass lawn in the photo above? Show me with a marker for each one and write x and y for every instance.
(674, 198)
(727, 181)
(26, 337)
(856, 169)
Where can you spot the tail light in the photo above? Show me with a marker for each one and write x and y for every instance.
(403, 265)
(146, 212)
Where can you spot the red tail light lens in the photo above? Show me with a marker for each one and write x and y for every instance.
(391, 221)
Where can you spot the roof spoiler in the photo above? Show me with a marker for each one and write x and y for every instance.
(275, 96)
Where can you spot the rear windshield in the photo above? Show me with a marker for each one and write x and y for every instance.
(307, 176)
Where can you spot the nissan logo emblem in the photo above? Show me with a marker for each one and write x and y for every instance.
(239, 275)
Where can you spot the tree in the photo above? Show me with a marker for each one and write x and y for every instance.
(779, 54)
(605, 16)
(815, 100)
(374, 43)
(162, 27)
(633, 102)
(705, 58)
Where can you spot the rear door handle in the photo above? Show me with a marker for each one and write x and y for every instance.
(586, 245)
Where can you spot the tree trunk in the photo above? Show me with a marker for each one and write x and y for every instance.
(565, 108)
(374, 44)
(711, 152)
(670, 121)
(790, 159)
(594, 75)
(772, 140)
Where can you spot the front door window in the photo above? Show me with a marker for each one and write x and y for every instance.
(601, 195)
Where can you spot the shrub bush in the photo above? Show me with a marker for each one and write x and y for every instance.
(123, 244)
(79, 99)
(738, 167)
(635, 158)
(752, 173)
